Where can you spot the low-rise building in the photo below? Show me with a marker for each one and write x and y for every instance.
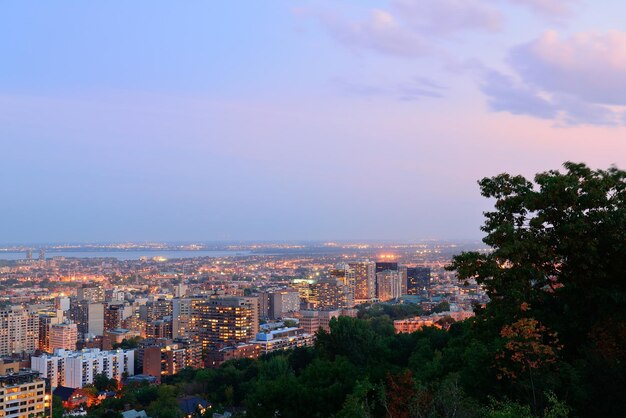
(282, 339)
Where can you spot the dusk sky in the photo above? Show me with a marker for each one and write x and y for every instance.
(295, 120)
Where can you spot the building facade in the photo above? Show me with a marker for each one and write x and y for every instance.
(19, 331)
(76, 369)
(22, 394)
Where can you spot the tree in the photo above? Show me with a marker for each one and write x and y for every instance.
(558, 257)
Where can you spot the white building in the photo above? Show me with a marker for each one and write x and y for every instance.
(282, 339)
(76, 369)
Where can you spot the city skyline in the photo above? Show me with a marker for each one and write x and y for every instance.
(311, 121)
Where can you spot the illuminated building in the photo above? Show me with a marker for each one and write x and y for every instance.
(282, 339)
(311, 321)
(46, 320)
(181, 317)
(19, 331)
(155, 310)
(22, 394)
(76, 369)
(332, 293)
(418, 278)
(167, 357)
(388, 285)
(161, 328)
(215, 358)
(364, 281)
(277, 303)
(113, 317)
(91, 294)
(63, 335)
(224, 321)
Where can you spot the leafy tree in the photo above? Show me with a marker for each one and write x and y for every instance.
(558, 257)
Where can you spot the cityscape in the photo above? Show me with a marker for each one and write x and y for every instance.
(313, 209)
(70, 318)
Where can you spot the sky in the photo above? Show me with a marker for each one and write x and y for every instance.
(295, 120)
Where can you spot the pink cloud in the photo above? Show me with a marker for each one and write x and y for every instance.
(589, 65)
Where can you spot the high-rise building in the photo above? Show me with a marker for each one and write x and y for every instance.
(364, 281)
(19, 331)
(386, 265)
(90, 293)
(223, 321)
(418, 278)
(332, 293)
(155, 310)
(283, 302)
(63, 335)
(181, 317)
(78, 314)
(113, 317)
(47, 318)
(22, 394)
(95, 318)
(388, 285)
(76, 369)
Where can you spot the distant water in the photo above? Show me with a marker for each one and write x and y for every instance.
(126, 255)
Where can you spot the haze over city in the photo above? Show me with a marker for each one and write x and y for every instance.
(295, 120)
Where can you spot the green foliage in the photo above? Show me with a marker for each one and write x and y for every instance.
(128, 343)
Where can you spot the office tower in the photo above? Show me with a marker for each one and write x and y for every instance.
(23, 395)
(219, 322)
(90, 293)
(19, 331)
(42, 255)
(76, 369)
(29, 254)
(332, 293)
(418, 278)
(46, 320)
(365, 281)
(95, 318)
(63, 335)
(113, 317)
(389, 285)
(283, 302)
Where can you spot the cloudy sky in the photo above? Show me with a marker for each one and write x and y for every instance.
(222, 120)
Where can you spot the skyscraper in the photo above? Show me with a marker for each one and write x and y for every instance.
(418, 278)
(364, 281)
